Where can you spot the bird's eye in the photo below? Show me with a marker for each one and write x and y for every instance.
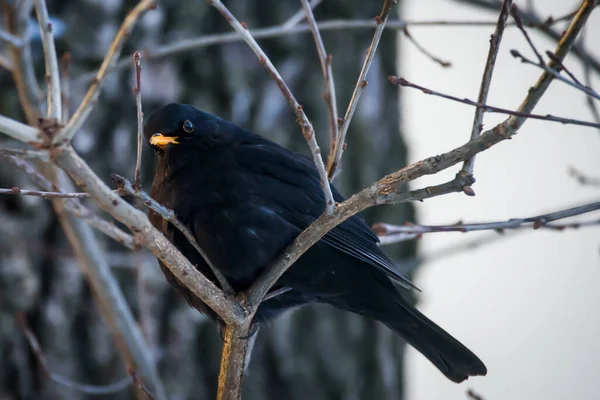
(188, 126)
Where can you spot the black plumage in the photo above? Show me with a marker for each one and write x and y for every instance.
(245, 199)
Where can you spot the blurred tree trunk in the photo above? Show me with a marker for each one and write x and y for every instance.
(316, 352)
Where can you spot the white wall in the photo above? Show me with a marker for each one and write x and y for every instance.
(528, 305)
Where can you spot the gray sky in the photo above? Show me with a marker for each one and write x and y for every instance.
(527, 305)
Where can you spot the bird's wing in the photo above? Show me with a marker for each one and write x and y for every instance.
(289, 185)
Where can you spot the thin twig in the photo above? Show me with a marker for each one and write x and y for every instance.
(515, 113)
(51, 61)
(48, 195)
(514, 11)
(585, 89)
(191, 44)
(30, 94)
(111, 388)
(75, 207)
(325, 60)
(65, 86)
(301, 118)
(384, 230)
(562, 66)
(91, 97)
(11, 39)
(137, 91)
(170, 216)
(139, 384)
(299, 15)
(486, 80)
(335, 154)
(390, 189)
(424, 51)
(584, 179)
(587, 76)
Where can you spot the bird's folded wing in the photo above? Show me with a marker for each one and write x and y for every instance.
(288, 184)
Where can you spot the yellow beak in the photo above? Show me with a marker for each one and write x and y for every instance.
(161, 141)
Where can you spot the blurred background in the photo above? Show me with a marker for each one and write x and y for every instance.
(524, 303)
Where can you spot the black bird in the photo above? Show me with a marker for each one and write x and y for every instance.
(245, 199)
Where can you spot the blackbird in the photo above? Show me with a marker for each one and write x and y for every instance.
(246, 198)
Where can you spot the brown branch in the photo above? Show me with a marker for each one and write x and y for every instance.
(137, 91)
(169, 215)
(514, 11)
(335, 154)
(233, 358)
(111, 388)
(486, 80)
(301, 118)
(139, 384)
(325, 60)
(51, 62)
(91, 97)
(518, 114)
(65, 86)
(424, 51)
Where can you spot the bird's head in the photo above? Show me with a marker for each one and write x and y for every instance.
(177, 127)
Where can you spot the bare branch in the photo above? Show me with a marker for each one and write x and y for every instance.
(516, 114)
(30, 95)
(384, 230)
(584, 179)
(424, 51)
(486, 80)
(19, 131)
(335, 154)
(110, 60)
(170, 216)
(111, 388)
(65, 86)
(389, 189)
(514, 11)
(25, 154)
(329, 95)
(137, 91)
(11, 39)
(139, 384)
(301, 118)
(51, 61)
(285, 29)
(24, 192)
(299, 15)
(585, 89)
(233, 358)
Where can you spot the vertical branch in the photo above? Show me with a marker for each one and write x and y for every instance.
(137, 90)
(329, 95)
(22, 64)
(86, 106)
(65, 86)
(307, 129)
(233, 358)
(336, 152)
(486, 81)
(51, 61)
